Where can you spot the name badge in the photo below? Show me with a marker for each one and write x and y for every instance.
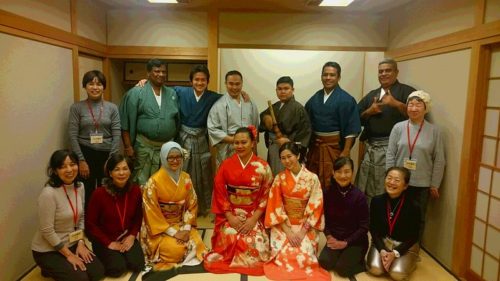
(96, 138)
(75, 236)
(410, 164)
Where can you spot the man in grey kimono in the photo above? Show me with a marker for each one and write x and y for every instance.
(292, 122)
(149, 117)
(228, 114)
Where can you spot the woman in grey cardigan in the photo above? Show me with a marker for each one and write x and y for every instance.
(418, 146)
(58, 246)
(94, 131)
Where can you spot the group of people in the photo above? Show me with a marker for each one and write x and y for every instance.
(142, 208)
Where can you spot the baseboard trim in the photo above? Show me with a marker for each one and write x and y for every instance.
(26, 272)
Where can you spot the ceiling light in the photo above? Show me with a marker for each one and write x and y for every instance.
(335, 3)
(163, 1)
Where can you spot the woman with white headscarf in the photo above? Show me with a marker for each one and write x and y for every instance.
(169, 234)
(418, 146)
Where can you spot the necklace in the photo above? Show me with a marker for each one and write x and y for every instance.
(391, 214)
(344, 193)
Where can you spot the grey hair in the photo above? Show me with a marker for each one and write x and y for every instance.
(389, 61)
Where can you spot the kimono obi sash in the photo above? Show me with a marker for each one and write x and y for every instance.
(241, 196)
(324, 138)
(172, 211)
(294, 208)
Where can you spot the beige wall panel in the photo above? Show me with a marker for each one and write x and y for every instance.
(157, 28)
(91, 20)
(495, 63)
(445, 77)
(425, 19)
(492, 12)
(55, 13)
(261, 69)
(371, 71)
(117, 89)
(37, 89)
(87, 63)
(302, 29)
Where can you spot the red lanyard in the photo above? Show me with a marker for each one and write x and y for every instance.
(410, 145)
(96, 122)
(73, 209)
(122, 218)
(392, 221)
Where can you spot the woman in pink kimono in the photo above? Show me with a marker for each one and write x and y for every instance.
(295, 215)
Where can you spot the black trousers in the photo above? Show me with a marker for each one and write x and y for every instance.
(55, 265)
(116, 263)
(346, 262)
(95, 159)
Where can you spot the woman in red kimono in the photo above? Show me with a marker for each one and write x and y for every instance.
(295, 216)
(240, 243)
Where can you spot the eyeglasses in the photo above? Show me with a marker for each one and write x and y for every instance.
(174, 158)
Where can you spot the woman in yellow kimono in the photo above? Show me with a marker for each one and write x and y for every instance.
(295, 215)
(169, 234)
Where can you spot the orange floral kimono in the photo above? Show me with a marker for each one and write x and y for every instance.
(241, 190)
(170, 207)
(298, 202)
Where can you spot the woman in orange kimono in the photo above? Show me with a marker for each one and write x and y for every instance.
(295, 216)
(169, 234)
(240, 243)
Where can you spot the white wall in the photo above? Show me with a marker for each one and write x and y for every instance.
(55, 13)
(91, 20)
(422, 20)
(87, 63)
(140, 27)
(261, 69)
(445, 77)
(334, 29)
(37, 89)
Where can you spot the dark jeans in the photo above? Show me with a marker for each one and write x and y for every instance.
(346, 262)
(420, 195)
(54, 265)
(95, 159)
(116, 263)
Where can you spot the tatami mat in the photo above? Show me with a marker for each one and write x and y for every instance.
(427, 268)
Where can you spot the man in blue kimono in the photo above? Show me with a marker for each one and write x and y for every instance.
(149, 117)
(334, 117)
(195, 103)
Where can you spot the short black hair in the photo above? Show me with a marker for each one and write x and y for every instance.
(113, 160)
(155, 63)
(406, 173)
(233, 72)
(294, 149)
(89, 76)
(331, 64)
(341, 161)
(285, 79)
(199, 68)
(56, 161)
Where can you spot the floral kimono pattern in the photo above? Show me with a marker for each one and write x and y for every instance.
(170, 205)
(241, 190)
(298, 202)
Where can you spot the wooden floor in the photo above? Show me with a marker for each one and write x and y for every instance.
(427, 268)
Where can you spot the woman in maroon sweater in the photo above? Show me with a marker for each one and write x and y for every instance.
(114, 217)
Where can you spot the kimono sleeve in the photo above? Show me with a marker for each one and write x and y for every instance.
(350, 124)
(189, 216)
(128, 113)
(153, 216)
(275, 212)
(214, 123)
(220, 200)
(266, 182)
(314, 209)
